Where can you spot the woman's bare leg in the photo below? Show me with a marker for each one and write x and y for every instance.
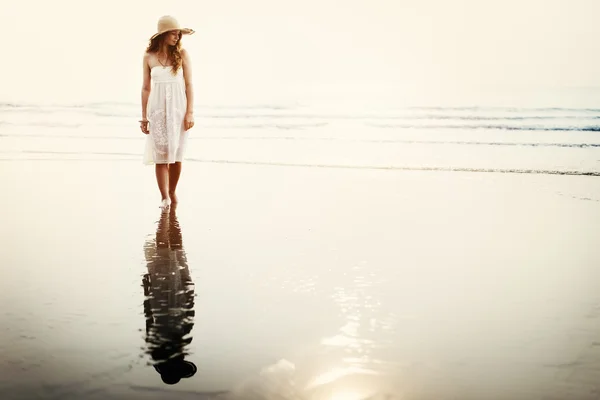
(174, 173)
(162, 178)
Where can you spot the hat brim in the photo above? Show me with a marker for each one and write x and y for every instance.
(173, 372)
(184, 31)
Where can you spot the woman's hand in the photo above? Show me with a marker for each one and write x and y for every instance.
(144, 126)
(188, 121)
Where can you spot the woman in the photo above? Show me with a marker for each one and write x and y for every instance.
(167, 104)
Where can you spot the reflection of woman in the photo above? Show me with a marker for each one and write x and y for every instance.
(169, 304)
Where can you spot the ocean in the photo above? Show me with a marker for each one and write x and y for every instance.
(498, 139)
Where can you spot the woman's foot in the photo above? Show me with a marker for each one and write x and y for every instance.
(173, 197)
(164, 203)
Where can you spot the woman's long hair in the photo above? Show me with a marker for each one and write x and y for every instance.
(174, 51)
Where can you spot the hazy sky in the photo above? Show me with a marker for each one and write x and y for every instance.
(66, 50)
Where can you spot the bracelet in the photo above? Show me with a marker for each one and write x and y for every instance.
(143, 120)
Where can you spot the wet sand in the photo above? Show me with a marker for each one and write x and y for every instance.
(290, 282)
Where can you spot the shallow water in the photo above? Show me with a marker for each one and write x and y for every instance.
(298, 283)
(313, 256)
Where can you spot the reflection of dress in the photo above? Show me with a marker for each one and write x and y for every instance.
(166, 108)
(169, 303)
(170, 294)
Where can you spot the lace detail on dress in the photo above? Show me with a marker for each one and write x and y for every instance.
(158, 124)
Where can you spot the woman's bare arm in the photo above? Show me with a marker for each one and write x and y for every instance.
(145, 85)
(189, 89)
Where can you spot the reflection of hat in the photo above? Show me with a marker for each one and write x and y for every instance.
(167, 23)
(173, 370)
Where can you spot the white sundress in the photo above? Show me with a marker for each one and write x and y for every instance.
(167, 104)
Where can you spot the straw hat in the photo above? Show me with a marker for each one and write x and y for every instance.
(168, 23)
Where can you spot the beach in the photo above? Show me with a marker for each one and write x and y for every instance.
(380, 200)
(325, 263)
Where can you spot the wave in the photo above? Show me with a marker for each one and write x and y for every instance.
(490, 127)
(356, 116)
(135, 156)
(117, 104)
(62, 136)
(265, 126)
(248, 107)
(45, 124)
(328, 139)
(399, 117)
(402, 141)
(478, 109)
(283, 125)
(508, 109)
(407, 168)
